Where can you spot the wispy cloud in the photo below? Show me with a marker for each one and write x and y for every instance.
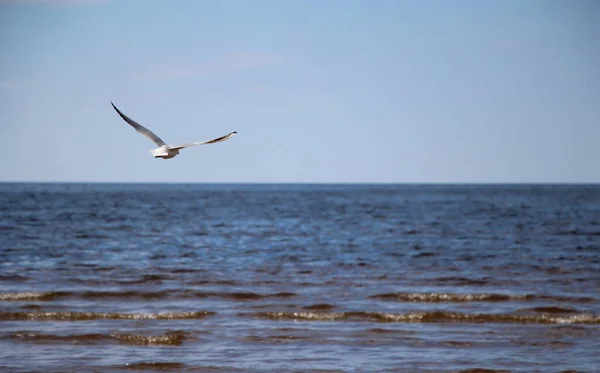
(54, 2)
(230, 63)
(12, 84)
(259, 89)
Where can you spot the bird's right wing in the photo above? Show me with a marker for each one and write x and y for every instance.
(141, 129)
(218, 139)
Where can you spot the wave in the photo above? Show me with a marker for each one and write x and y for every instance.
(429, 317)
(92, 236)
(446, 297)
(85, 316)
(13, 278)
(172, 338)
(475, 297)
(319, 307)
(460, 281)
(31, 295)
(120, 294)
(155, 365)
(215, 282)
(578, 232)
(274, 338)
(552, 309)
(50, 338)
(245, 295)
(164, 294)
(146, 279)
(175, 338)
(167, 367)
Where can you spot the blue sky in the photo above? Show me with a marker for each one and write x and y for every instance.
(319, 91)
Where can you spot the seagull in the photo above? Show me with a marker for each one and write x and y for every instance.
(165, 151)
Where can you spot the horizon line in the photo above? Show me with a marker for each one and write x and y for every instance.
(316, 182)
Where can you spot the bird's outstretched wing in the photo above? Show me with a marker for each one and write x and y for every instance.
(141, 129)
(218, 139)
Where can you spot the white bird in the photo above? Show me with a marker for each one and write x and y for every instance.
(165, 151)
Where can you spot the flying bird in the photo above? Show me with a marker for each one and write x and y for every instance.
(165, 151)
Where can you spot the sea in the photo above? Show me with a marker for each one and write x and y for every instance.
(299, 278)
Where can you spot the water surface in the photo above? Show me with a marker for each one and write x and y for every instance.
(309, 278)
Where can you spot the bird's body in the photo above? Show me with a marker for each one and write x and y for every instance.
(165, 151)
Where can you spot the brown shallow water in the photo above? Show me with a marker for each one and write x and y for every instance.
(299, 278)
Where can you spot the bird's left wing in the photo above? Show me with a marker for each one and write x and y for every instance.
(218, 139)
(141, 129)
